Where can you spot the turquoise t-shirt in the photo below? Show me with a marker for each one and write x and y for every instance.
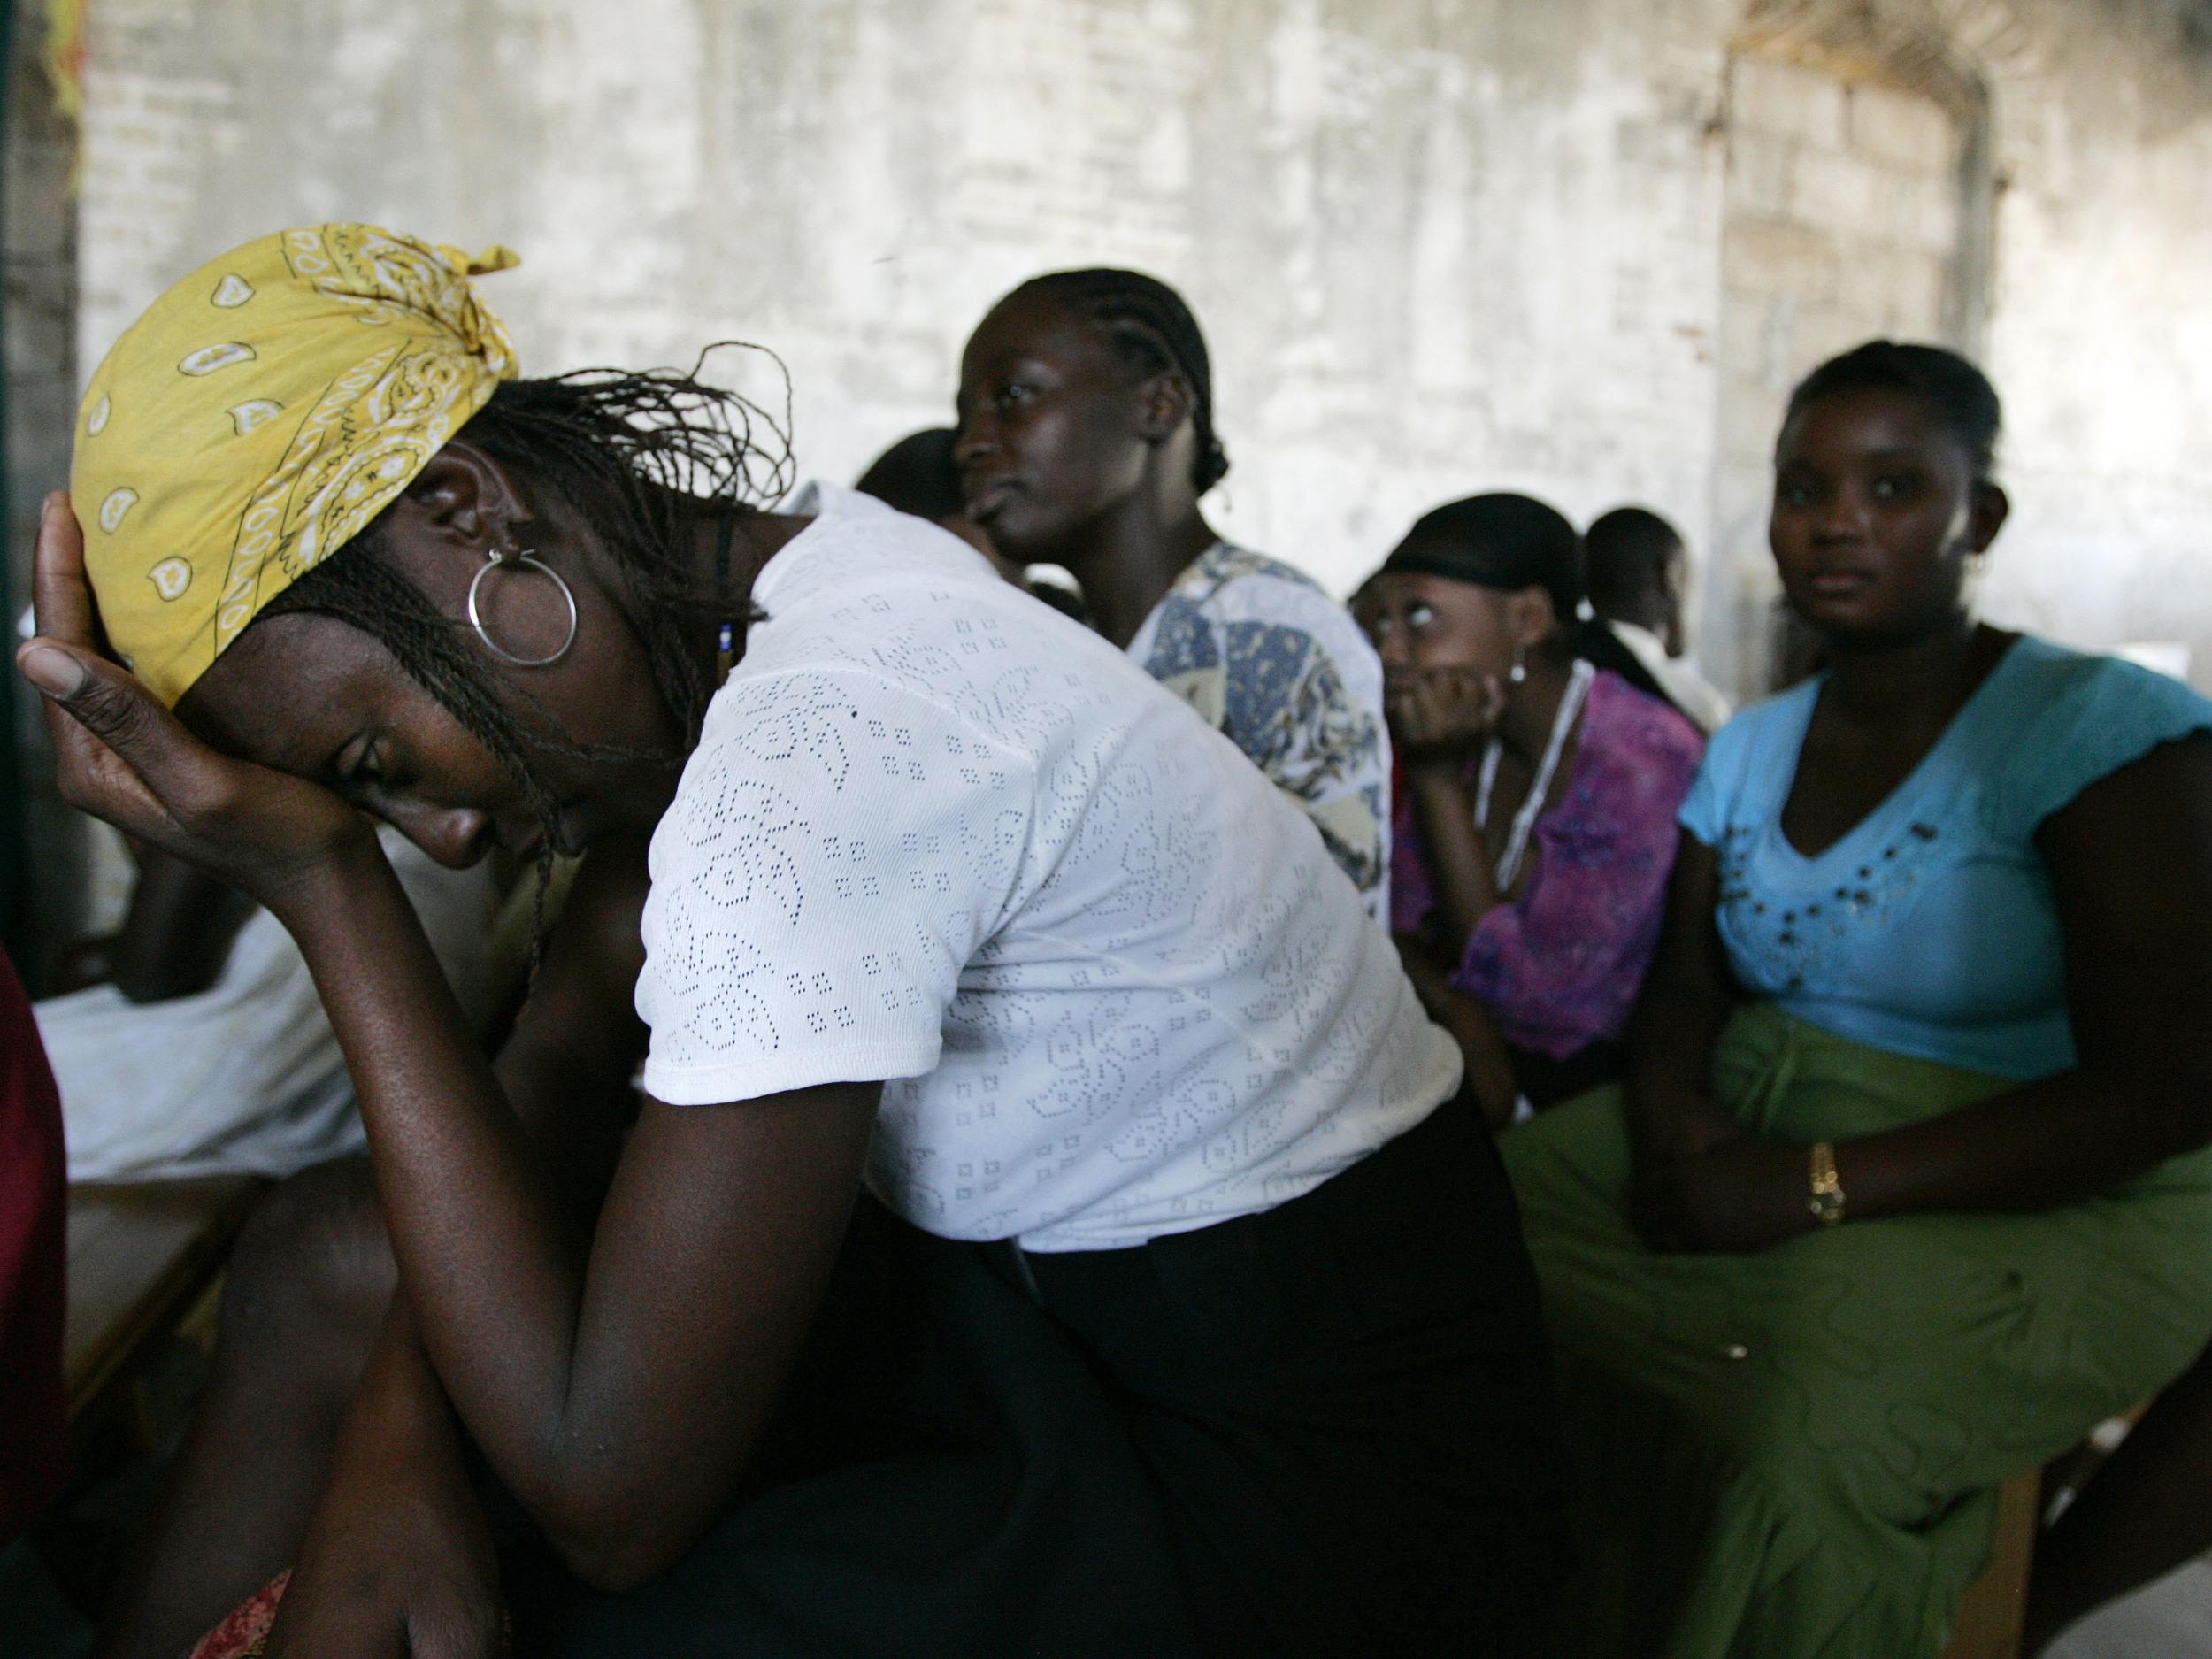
(1930, 929)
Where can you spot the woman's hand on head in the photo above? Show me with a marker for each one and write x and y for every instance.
(1440, 716)
(121, 756)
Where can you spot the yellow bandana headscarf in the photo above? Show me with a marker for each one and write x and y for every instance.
(256, 419)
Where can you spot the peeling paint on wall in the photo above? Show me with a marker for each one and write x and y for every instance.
(1437, 245)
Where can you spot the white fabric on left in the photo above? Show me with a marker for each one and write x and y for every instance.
(1686, 688)
(245, 1078)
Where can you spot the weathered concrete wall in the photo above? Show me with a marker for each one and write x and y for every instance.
(2100, 324)
(1841, 222)
(1437, 245)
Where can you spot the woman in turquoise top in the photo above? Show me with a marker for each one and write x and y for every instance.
(1931, 927)
(1908, 1185)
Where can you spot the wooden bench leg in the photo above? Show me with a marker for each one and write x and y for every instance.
(1994, 1605)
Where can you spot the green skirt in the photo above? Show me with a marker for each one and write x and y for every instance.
(1797, 1452)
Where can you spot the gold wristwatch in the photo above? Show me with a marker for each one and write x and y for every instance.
(1826, 1199)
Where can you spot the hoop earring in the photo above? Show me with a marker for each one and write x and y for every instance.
(493, 560)
(1519, 670)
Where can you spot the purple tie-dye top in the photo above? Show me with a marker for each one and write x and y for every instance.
(1559, 967)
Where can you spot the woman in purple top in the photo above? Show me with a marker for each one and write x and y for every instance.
(1541, 772)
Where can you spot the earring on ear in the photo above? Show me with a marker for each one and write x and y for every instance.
(519, 558)
(1976, 573)
(1519, 670)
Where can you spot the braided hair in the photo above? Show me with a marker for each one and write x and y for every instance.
(638, 456)
(1153, 330)
(1960, 393)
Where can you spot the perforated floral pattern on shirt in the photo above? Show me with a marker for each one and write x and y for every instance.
(937, 834)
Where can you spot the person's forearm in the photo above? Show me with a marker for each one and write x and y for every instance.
(179, 932)
(615, 1382)
(565, 1072)
(1489, 1065)
(2061, 1140)
(1687, 997)
(1459, 865)
(1667, 1087)
(401, 1416)
(493, 1274)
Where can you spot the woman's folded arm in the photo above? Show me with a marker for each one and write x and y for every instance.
(614, 1380)
(1687, 996)
(2131, 867)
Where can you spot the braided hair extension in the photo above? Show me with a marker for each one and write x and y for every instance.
(638, 455)
(1153, 329)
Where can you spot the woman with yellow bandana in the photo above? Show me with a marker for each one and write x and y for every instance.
(1177, 1317)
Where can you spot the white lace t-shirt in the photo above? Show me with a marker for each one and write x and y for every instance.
(936, 833)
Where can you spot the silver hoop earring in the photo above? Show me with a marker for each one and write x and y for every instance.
(523, 556)
(1520, 665)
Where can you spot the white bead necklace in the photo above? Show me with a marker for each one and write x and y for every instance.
(1524, 821)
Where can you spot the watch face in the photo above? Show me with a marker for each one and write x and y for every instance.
(1826, 1198)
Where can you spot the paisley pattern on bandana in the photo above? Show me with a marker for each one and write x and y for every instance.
(258, 416)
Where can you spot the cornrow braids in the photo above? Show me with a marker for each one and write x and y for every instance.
(638, 455)
(1154, 330)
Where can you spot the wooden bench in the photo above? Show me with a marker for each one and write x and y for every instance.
(1995, 1604)
(140, 1258)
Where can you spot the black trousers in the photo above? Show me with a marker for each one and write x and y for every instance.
(1324, 1431)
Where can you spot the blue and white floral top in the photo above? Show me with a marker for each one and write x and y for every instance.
(1270, 661)
(1930, 929)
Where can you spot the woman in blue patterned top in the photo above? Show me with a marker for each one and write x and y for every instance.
(1087, 439)
(1909, 1184)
